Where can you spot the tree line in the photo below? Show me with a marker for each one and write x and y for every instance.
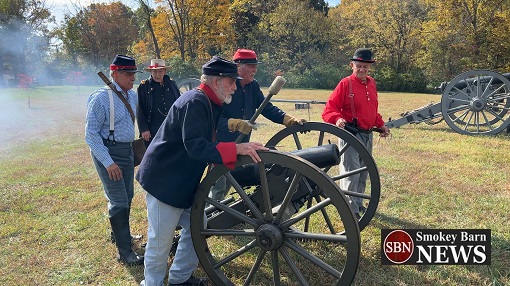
(417, 43)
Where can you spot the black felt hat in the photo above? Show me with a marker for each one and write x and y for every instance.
(218, 66)
(123, 63)
(363, 55)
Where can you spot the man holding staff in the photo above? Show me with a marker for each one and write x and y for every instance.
(112, 151)
(247, 98)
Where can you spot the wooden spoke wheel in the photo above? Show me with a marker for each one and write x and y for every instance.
(187, 84)
(477, 102)
(318, 133)
(257, 239)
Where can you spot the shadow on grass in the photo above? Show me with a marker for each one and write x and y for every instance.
(443, 128)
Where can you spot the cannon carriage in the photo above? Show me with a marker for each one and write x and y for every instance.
(285, 220)
(473, 103)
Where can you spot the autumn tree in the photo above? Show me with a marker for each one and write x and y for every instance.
(496, 49)
(461, 35)
(146, 26)
(98, 32)
(250, 25)
(299, 40)
(301, 34)
(415, 42)
(194, 29)
(390, 28)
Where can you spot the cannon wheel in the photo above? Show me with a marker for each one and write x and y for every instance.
(187, 84)
(318, 133)
(267, 247)
(477, 108)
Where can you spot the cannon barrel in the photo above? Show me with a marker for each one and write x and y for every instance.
(248, 175)
(321, 156)
(464, 83)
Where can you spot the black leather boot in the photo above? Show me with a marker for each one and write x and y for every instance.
(121, 232)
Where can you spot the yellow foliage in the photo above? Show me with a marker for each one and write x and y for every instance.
(192, 28)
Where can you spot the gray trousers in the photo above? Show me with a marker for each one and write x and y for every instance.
(349, 161)
(118, 193)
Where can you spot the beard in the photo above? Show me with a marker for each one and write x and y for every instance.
(228, 99)
(225, 97)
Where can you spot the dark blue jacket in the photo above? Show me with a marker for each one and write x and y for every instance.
(245, 102)
(144, 116)
(173, 165)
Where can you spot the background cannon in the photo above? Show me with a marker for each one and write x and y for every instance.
(474, 102)
(187, 84)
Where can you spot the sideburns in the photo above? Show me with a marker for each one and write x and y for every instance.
(222, 92)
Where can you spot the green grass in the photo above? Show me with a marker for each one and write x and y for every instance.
(53, 219)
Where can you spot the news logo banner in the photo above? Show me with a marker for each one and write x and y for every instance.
(436, 246)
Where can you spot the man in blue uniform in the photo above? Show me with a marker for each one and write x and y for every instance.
(173, 166)
(112, 151)
(155, 96)
(246, 100)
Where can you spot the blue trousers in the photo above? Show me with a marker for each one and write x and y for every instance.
(118, 193)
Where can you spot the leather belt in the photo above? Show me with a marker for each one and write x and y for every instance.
(364, 131)
(108, 142)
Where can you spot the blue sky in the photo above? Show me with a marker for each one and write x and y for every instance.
(86, 2)
(59, 7)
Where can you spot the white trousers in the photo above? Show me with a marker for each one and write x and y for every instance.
(163, 220)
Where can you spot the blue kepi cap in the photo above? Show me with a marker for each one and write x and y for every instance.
(123, 63)
(218, 66)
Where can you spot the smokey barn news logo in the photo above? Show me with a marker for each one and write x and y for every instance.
(436, 246)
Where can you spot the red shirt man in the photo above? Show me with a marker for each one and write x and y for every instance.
(355, 97)
(339, 108)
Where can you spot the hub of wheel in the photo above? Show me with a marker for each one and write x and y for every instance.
(269, 237)
(477, 104)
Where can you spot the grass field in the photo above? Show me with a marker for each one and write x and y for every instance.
(53, 219)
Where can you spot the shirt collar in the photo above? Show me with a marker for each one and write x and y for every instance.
(154, 83)
(210, 93)
(118, 87)
(354, 77)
